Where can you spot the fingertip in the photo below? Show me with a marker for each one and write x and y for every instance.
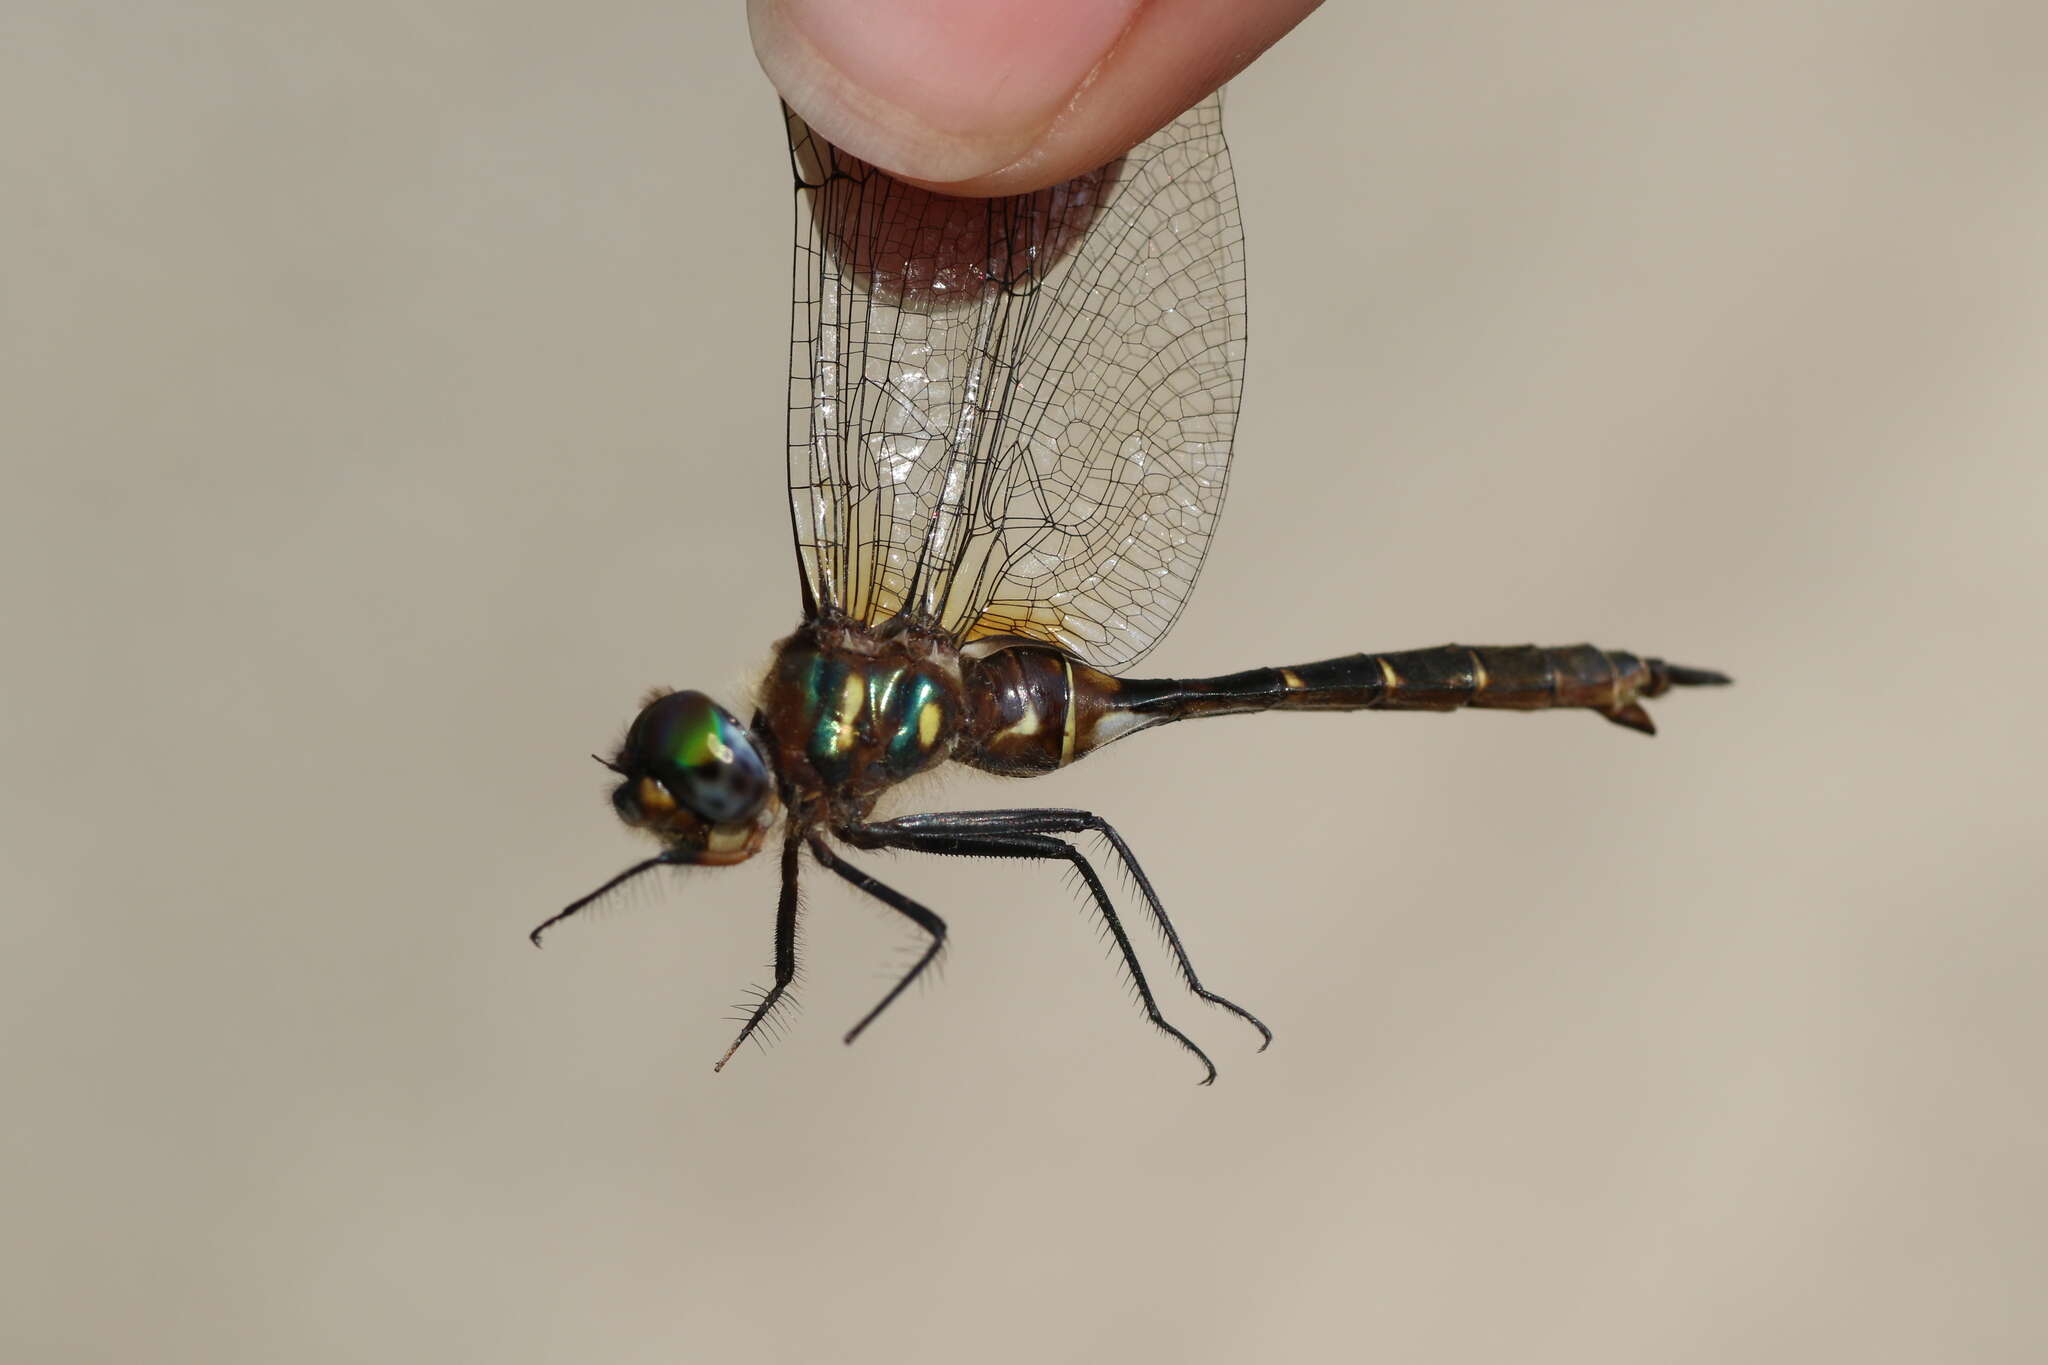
(1004, 96)
(931, 91)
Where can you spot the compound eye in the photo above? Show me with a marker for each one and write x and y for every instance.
(702, 756)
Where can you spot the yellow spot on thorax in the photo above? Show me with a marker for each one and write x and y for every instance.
(853, 695)
(928, 724)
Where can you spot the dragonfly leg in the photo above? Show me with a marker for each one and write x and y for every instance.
(785, 948)
(994, 841)
(644, 865)
(1077, 822)
(897, 901)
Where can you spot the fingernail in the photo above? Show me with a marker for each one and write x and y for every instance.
(939, 90)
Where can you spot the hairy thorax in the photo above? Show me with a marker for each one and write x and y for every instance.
(850, 711)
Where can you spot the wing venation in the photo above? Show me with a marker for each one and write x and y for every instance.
(1013, 416)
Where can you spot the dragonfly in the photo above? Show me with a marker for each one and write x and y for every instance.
(1009, 437)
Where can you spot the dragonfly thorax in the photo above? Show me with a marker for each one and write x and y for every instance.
(849, 711)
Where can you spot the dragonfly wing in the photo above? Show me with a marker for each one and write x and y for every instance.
(1013, 416)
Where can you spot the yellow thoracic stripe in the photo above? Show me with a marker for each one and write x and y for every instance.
(1067, 739)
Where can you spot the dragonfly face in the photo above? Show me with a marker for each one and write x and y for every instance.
(693, 778)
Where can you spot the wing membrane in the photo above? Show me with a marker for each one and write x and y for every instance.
(1013, 416)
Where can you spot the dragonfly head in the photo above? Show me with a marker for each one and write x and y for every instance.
(692, 776)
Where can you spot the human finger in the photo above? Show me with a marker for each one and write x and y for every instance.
(1004, 96)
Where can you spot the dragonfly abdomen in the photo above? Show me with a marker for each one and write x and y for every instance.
(1035, 708)
(1613, 683)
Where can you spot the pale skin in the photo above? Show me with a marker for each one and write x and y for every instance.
(989, 97)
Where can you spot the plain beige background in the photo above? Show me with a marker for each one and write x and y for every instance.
(393, 392)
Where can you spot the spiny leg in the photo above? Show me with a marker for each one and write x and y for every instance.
(1050, 821)
(897, 901)
(785, 946)
(645, 865)
(895, 834)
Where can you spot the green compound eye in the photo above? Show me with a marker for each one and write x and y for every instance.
(706, 759)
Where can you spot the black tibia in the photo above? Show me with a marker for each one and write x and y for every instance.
(1078, 822)
(897, 901)
(992, 839)
(1443, 678)
(785, 946)
(644, 865)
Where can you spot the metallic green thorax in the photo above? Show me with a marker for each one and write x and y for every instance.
(854, 712)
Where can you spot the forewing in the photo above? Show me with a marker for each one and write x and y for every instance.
(1013, 416)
